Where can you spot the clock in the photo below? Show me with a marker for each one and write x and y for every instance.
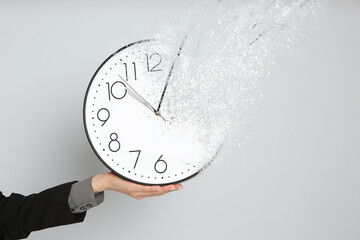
(129, 121)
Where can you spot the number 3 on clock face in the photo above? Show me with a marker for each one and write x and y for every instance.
(126, 135)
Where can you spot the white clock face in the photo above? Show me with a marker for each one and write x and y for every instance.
(123, 129)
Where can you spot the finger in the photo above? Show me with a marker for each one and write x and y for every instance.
(147, 189)
(153, 194)
(153, 191)
(166, 189)
(178, 186)
(172, 187)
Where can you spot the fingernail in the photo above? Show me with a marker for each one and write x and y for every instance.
(172, 189)
(159, 190)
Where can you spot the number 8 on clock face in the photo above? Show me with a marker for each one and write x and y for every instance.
(123, 127)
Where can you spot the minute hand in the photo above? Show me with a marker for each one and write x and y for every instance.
(170, 73)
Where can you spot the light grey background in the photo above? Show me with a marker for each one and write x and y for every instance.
(296, 178)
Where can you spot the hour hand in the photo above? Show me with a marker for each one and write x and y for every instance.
(141, 99)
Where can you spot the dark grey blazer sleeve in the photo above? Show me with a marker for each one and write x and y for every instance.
(20, 215)
(82, 197)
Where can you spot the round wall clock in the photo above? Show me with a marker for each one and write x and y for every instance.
(128, 122)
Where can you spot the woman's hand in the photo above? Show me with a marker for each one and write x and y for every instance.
(109, 181)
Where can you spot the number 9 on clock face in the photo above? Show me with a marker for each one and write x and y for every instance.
(123, 130)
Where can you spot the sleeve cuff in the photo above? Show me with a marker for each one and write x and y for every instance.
(82, 197)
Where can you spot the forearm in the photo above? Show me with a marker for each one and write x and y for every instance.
(100, 183)
(65, 204)
(82, 196)
(20, 215)
(90, 192)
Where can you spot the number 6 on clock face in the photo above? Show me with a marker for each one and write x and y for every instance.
(121, 124)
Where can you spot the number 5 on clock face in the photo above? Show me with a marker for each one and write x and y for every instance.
(124, 130)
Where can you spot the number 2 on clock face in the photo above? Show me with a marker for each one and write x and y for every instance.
(126, 135)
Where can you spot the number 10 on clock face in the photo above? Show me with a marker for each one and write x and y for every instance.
(124, 132)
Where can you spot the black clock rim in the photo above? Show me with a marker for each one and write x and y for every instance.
(87, 133)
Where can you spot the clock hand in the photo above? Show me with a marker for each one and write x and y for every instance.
(157, 111)
(143, 101)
